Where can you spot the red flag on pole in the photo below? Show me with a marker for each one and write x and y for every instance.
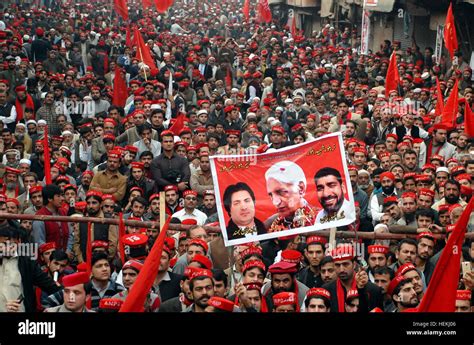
(347, 76)
(393, 78)
(450, 38)
(441, 293)
(47, 158)
(264, 12)
(137, 295)
(89, 248)
(246, 10)
(163, 5)
(228, 77)
(293, 26)
(450, 110)
(120, 88)
(143, 52)
(179, 124)
(468, 120)
(121, 234)
(439, 99)
(121, 8)
(128, 38)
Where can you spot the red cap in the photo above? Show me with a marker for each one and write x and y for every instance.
(252, 264)
(426, 192)
(351, 294)
(387, 174)
(75, 279)
(394, 284)
(251, 250)
(292, 256)
(189, 221)
(284, 298)
(189, 192)
(278, 129)
(463, 295)
(425, 234)
(108, 197)
(114, 154)
(12, 171)
(405, 268)
(35, 189)
(171, 187)
(99, 244)
(437, 157)
(135, 240)
(221, 303)
(199, 242)
(203, 260)
(200, 272)
(409, 195)
(318, 292)
(316, 239)
(110, 304)
(94, 193)
(283, 267)
(133, 264)
(131, 148)
(376, 248)
(137, 165)
(46, 246)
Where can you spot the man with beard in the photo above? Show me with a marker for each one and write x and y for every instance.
(233, 146)
(48, 113)
(201, 286)
(109, 205)
(100, 105)
(208, 203)
(408, 207)
(146, 158)
(137, 178)
(154, 208)
(409, 271)
(348, 278)
(377, 259)
(130, 271)
(166, 284)
(22, 102)
(12, 183)
(239, 202)
(406, 252)
(387, 180)
(410, 160)
(331, 195)
(98, 148)
(286, 186)
(382, 278)
(461, 145)
(439, 145)
(314, 253)
(100, 232)
(111, 181)
(359, 195)
(190, 211)
(403, 294)
(283, 280)
(86, 180)
(425, 249)
(452, 190)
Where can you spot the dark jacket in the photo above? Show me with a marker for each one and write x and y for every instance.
(231, 228)
(172, 305)
(169, 289)
(32, 276)
(370, 297)
(307, 277)
(170, 171)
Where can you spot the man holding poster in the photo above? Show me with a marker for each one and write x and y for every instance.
(293, 190)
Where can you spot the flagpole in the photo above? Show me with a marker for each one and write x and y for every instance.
(143, 64)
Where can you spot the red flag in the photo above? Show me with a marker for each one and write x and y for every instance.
(347, 77)
(47, 158)
(121, 234)
(293, 26)
(121, 8)
(439, 99)
(228, 77)
(393, 78)
(163, 5)
(450, 38)
(140, 289)
(450, 110)
(120, 88)
(147, 3)
(143, 52)
(468, 120)
(128, 38)
(179, 124)
(246, 10)
(89, 248)
(441, 293)
(264, 12)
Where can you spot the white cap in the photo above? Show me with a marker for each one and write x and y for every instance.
(328, 65)
(381, 226)
(25, 161)
(251, 115)
(279, 109)
(275, 123)
(288, 100)
(66, 133)
(26, 37)
(31, 122)
(20, 124)
(425, 75)
(42, 122)
(234, 89)
(442, 169)
(286, 172)
(362, 171)
(271, 119)
(202, 111)
(417, 90)
(155, 106)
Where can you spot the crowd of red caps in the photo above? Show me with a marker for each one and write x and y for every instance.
(239, 86)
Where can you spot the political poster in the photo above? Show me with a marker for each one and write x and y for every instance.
(293, 190)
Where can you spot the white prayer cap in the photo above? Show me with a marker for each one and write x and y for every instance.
(155, 106)
(202, 111)
(29, 122)
(66, 133)
(442, 169)
(288, 100)
(25, 161)
(20, 124)
(42, 122)
(286, 172)
(362, 171)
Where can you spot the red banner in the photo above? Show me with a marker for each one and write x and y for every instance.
(293, 190)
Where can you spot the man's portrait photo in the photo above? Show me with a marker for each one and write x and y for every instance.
(239, 202)
(286, 187)
(330, 191)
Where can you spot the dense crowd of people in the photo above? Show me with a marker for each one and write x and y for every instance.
(244, 86)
